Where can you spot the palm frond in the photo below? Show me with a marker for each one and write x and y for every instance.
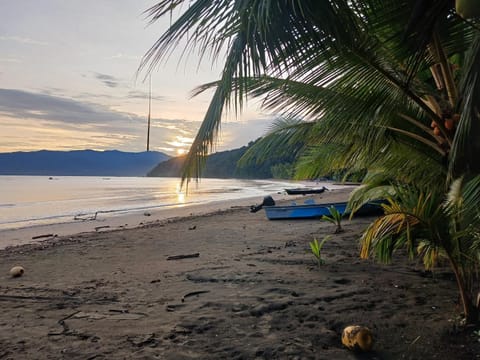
(375, 186)
(466, 144)
(431, 253)
(286, 137)
(463, 203)
(407, 219)
(343, 65)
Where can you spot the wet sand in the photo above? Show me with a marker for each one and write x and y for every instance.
(252, 292)
(116, 221)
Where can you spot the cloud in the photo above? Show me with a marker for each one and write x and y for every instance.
(236, 134)
(11, 60)
(41, 120)
(108, 80)
(124, 56)
(39, 134)
(136, 94)
(21, 104)
(114, 82)
(36, 121)
(23, 40)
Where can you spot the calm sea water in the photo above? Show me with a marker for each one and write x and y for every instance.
(36, 200)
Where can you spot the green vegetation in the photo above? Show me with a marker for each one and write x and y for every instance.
(225, 164)
(389, 89)
(282, 171)
(316, 249)
(335, 218)
(437, 229)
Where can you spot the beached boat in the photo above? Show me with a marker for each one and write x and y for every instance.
(303, 211)
(306, 211)
(305, 191)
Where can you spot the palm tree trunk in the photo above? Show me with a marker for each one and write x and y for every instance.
(469, 308)
(446, 70)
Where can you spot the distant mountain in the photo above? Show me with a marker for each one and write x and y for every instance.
(223, 164)
(219, 165)
(79, 163)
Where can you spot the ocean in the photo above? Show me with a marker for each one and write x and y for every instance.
(27, 201)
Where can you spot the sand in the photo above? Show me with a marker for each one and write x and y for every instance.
(253, 292)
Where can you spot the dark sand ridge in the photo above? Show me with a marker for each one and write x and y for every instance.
(254, 292)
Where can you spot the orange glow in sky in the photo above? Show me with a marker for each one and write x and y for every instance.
(77, 87)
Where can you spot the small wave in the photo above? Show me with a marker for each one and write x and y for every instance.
(20, 223)
(219, 191)
(6, 205)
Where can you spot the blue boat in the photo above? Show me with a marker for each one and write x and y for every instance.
(307, 211)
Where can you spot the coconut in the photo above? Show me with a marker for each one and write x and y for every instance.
(468, 8)
(449, 124)
(358, 338)
(17, 271)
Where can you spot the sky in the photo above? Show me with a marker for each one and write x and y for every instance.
(68, 81)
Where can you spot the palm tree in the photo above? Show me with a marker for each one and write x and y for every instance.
(309, 56)
(436, 228)
(388, 86)
(243, 30)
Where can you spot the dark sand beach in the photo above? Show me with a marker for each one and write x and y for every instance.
(253, 292)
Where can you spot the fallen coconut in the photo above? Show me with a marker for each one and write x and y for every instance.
(357, 338)
(17, 271)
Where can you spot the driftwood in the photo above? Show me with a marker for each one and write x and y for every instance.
(102, 227)
(86, 217)
(194, 293)
(43, 236)
(187, 256)
(82, 217)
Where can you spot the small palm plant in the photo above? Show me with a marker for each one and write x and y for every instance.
(316, 249)
(435, 228)
(335, 217)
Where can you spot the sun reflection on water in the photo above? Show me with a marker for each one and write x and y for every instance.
(180, 195)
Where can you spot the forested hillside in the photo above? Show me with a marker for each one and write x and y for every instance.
(224, 165)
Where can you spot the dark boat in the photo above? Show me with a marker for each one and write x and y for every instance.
(307, 211)
(305, 191)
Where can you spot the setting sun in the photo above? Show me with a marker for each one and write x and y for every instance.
(181, 151)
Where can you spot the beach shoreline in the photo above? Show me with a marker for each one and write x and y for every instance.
(106, 221)
(122, 220)
(222, 284)
(125, 214)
